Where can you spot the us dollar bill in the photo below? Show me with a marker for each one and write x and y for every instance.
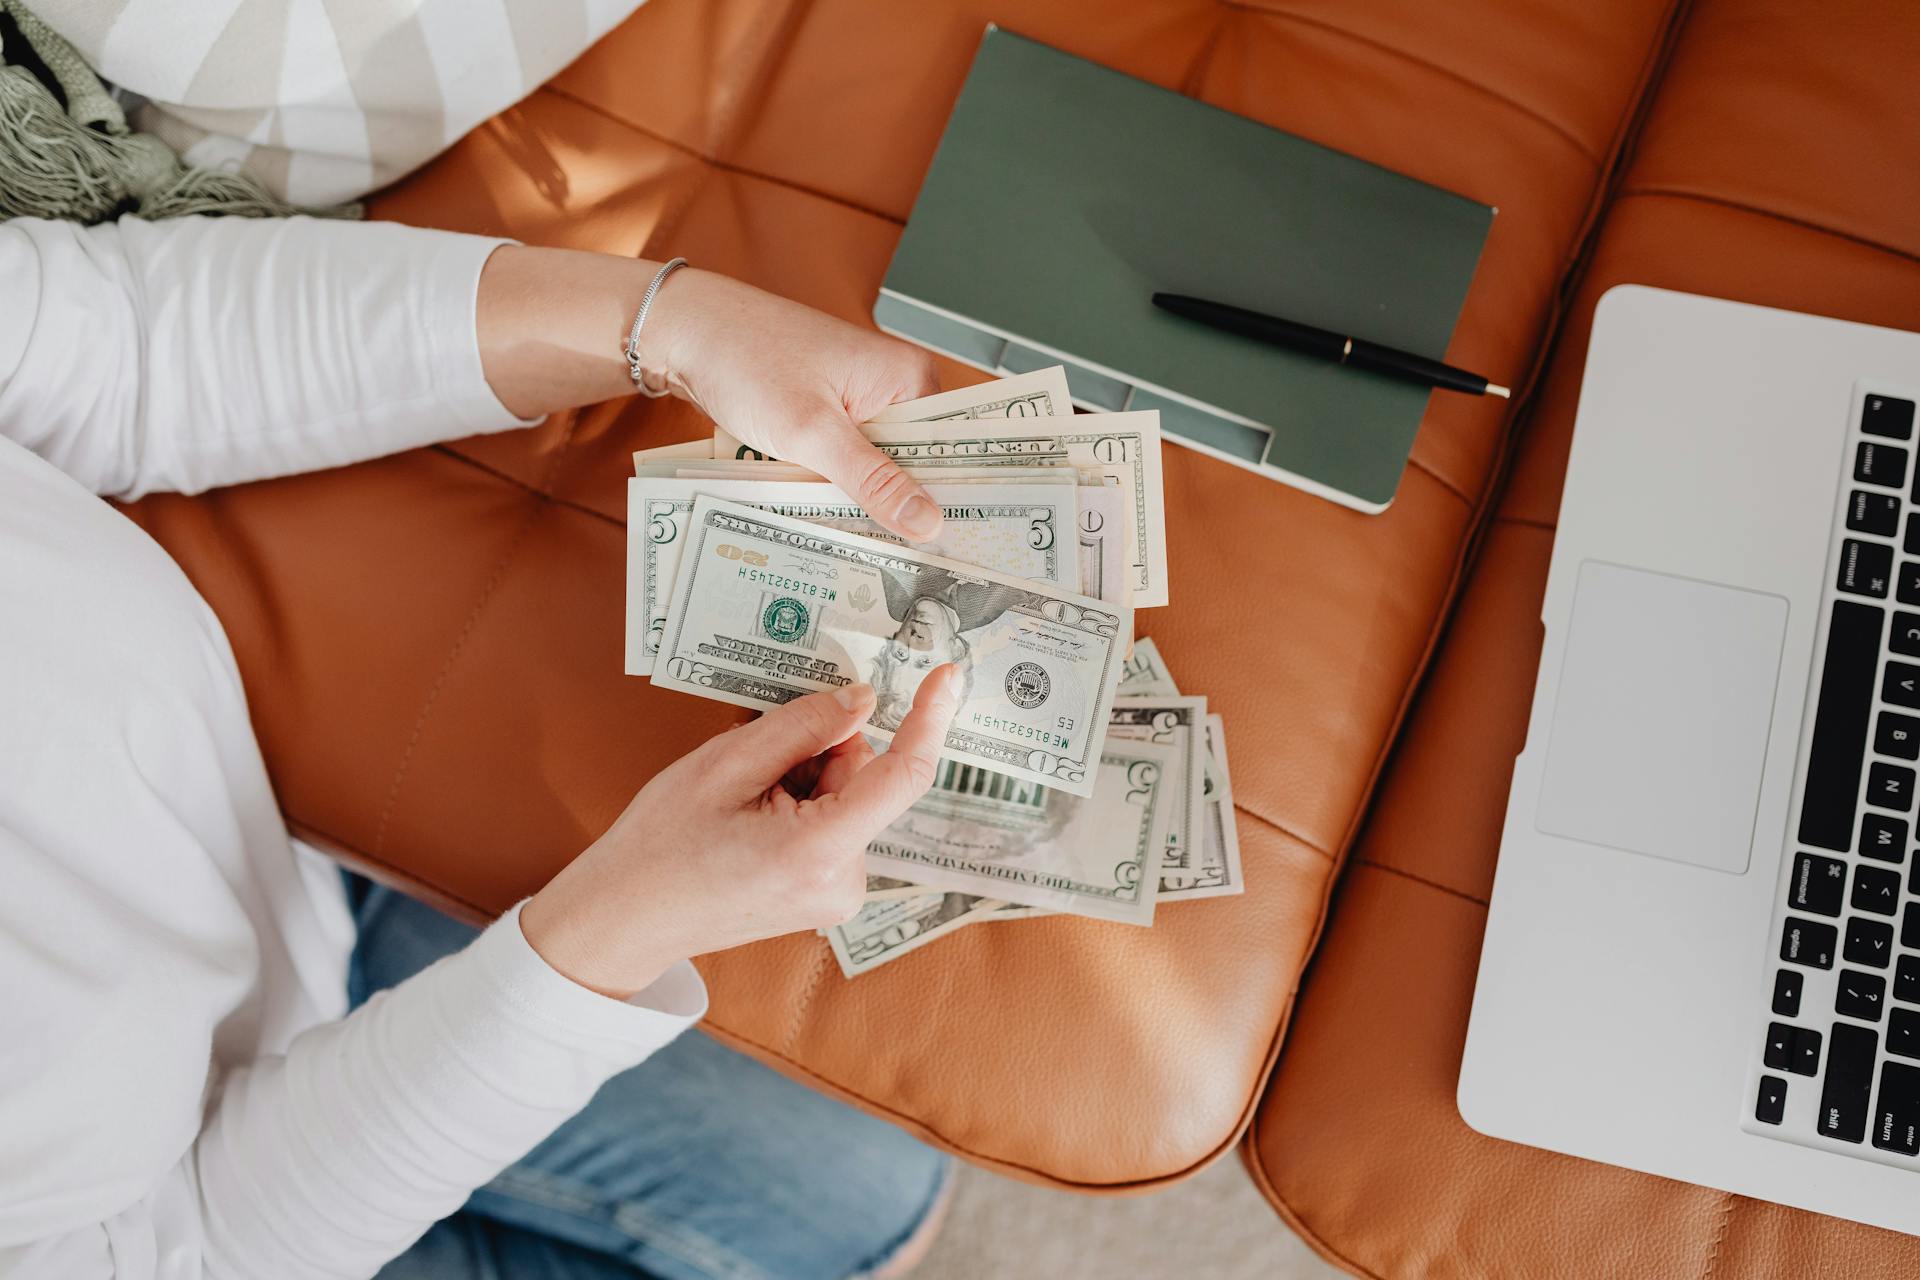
(1007, 839)
(1179, 723)
(886, 930)
(1145, 672)
(1011, 911)
(1028, 531)
(1124, 447)
(1028, 420)
(1040, 394)
(767, 608)
(1218, 873)
(683, 451)
(880, 888)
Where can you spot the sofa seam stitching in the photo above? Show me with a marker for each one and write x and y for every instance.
(1655, 191)
(723, 165)
(1416, 878)
(440, 677)
(1720, 1236)
(1525, 110)
(741, 110)
(1283, 829)
(1317, 1242)
(1440, 480)
(494, 578)
(488, 469)
(911, 1122)
(815, 975)
(1203, 57)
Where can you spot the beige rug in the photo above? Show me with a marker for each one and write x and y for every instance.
(1214, 1226)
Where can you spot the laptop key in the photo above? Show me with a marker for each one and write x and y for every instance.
(1875, 513)
(1896, 1116)
(1901, 685)
(1772, 1102)
(1903, 1033)
(1828, 797)
(1890, 786)
(1808, 942)
(1780, 1040)
(1906, 982)
(1907, 585)
(1877, 889)
(1875, 463)
(1910, 927)
(1791, 1048)
(1848, 1081)
(1911, 543)
(1895, 734)
(1869, 942)
(1882, 837)
(1865, 568)
(1887, 416)
(1806, 1052)
(1787, 985)
(1860, 995)
(1819, 884)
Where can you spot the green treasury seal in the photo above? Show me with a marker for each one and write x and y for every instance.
(784, 620)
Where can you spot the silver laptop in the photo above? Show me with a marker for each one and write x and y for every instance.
(1702, 958)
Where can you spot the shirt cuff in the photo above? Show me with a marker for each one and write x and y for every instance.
(452, 306)
(554, 1005)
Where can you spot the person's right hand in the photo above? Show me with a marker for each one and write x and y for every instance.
(795, 383)
(759, 832)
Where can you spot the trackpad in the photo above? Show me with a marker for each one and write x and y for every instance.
(1660, 732)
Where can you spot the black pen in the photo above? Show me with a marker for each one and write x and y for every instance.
(1328, 345)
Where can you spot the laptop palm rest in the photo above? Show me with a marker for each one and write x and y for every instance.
(1665, 704)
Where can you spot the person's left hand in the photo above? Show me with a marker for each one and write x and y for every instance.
(794, 383)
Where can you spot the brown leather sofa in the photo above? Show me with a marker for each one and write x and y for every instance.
(431, 642)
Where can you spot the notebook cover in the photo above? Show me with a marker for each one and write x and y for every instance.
(1064, 194)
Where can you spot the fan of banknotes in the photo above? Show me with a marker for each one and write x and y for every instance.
(1075, 777)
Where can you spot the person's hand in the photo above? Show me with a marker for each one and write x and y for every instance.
(794, 383)
(759, 832)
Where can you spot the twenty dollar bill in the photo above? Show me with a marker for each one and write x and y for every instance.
(767, 608)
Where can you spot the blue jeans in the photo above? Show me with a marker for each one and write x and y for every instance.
(699, 1164)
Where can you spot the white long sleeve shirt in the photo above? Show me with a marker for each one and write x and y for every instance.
(180, 1094)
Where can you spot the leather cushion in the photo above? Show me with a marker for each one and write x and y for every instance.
(432, 642)
(1774, 168)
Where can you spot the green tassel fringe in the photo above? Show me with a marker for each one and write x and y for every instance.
(83, 164)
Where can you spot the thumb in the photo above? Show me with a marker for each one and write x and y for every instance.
(884, 789)
(874, 480)
(761, 752)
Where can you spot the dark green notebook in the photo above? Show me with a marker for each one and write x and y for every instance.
(1064, 194)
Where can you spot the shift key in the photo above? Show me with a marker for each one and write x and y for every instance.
(1832, 789)
(1896, 1120)
(1849, 1079)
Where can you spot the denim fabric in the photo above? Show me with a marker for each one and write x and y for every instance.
(699, 1164)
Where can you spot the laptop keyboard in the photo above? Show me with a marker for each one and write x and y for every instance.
(1840, 1064)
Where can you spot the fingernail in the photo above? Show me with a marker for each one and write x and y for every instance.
(852, 697)
(920, 517)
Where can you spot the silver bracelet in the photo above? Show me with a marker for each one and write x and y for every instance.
(640, 318)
